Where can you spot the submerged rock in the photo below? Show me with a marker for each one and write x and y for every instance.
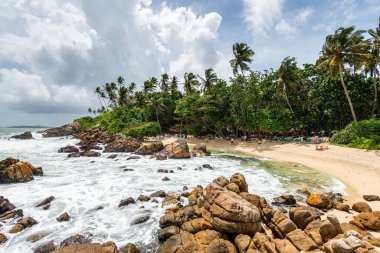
(23, 136)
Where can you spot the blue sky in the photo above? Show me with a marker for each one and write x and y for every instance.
(54, 53)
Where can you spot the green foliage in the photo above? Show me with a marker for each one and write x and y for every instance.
(372, 142)
(358, 133)
(146, 129)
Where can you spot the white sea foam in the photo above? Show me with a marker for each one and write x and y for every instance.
(80, 185)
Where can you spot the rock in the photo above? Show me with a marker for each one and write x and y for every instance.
(133, 157)
(200, 150)
(244, 243)
(128, 170)
(65, 130)
(342, 207)
(22, 224)
(303, 215)
(45, 248)
(284, 246)
(233, 187)
(369, 220)
(91, 153)
(371, 197)
(228, 212)
(312, 230)
(14, 171)
(143, 198)
(5, 205)
(166, 179)
(108, 247)
(162, 171)
(165, 233)
(37, 171)
(239, 179)
(68, 149)
(126, 202)
(221, 181)
(141, 219)
(285, 199)
(301, 241)
(351, 242)
(76, 154)
(207, 166)
(158, 194)
(328, 231)
(11, 214)
(36, 237)
(175, 150)
(361, 207)
(176, 217)
(129, 248)
(46, 201)
(280, 224)
(75, 240)
(23, 136)
(221, 245)
(196, 225)
(319, 201)
(170, 199)
(63, 217)
(122, 144)
(112, 156)
(3, 238)
(150, 149)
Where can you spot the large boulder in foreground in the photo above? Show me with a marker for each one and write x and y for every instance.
(176, 150)
(23, 136)
(66, 130)
(150, 149)
(122, 144)
(15, 171)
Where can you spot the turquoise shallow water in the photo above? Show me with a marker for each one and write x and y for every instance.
(81, 184)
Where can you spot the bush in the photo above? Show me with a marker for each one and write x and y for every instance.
(146, 129)
(85, 122)
(372, 142)
(357, 129)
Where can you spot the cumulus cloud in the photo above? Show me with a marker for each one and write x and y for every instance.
(54, 53)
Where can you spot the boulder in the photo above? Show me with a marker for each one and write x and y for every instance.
(165, 233)
(5, 205)
(23, 136)
(133, 157)
(195, 225)
(319, 201)
(46, 201)
(361, 207)
(228, 212)
(45, 248)
(301, 241)
(11, 214)
(175, 150)
(371, 197)
(221, 181)
(158, 194)
(200, 150)
(280, 224)
(370, 220)
(351, 241)
(342, 207)
(303, 215)
(91, 153)
(63, 217)
(15, 171)
(112, 156)
(68, 149)
(66, 130)
(129, 248)
(221, 245)
(244, 243)
(143, 198)
(75, 240)
(3, 238)
(141, 219)
(126, 202)
(170, 199)
(285, 199)
(108, 247)
(177, 217)
(122, 144)
(239, 180)
(23, 224)
(150, 149)
(284, 246)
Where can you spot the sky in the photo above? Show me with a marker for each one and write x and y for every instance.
(54, 53)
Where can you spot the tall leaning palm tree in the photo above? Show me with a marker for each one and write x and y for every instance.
(288, 77)
(345, 46)
(209, 79)
(374, 60)
(190, 84)
(243, 55)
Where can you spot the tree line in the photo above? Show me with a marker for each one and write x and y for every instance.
(342, 86)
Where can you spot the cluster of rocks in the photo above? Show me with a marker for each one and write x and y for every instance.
(66, 130)
(225, 217)
(16, 171)
(23, 136)
(200, 150)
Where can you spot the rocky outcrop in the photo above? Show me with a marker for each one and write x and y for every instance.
(15, 171)
(200, 150)
(370, 220)
(23, 136)
(150, 149)
(175, 150)
(66, 130)
(303, 215)
(91, 137)
(122, 144)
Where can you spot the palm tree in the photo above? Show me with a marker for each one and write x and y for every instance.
(243, 55)
(150, 85)
(190, 83)
(209, 80)
(139, 99)
(158, 106)
(374, 60)
(173, 85)
(345, 46)
(164, 83)
(288, 77)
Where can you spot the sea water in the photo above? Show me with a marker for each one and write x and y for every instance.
(80, 185)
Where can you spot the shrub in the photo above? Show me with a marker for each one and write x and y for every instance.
(146, 129)
(86, 122)
(357, 129)
(372, 142)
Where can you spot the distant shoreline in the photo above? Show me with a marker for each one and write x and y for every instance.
(26, 127)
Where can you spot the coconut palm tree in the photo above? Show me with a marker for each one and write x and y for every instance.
(345, 46)
(157, 104)
(288, 77)
(374, 60)
(209, 79)
(164, 83)
(243, 55)
(150, 85)
(139, 99)
(190, 84)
